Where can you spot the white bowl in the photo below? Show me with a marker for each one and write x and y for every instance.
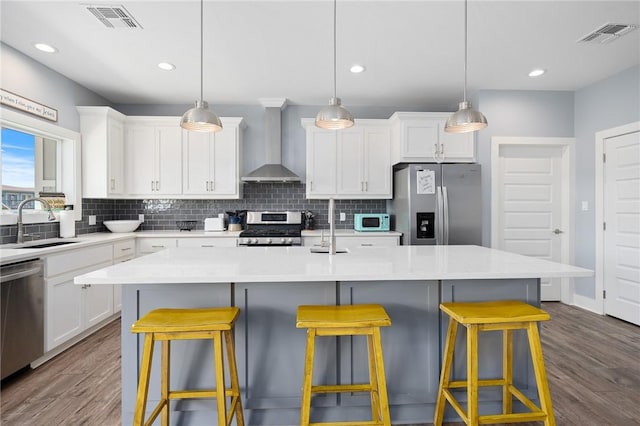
(121, 225)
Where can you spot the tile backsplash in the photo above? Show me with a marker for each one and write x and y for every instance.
(161, 214)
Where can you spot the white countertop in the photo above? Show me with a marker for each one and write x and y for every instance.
(10, 254)
(297, 264)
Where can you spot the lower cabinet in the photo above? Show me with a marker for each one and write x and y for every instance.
(71, 308)
(353, 241)
(123, 251)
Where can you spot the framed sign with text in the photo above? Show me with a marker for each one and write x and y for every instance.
(27, 105)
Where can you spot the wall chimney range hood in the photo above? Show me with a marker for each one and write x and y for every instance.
(272, 170)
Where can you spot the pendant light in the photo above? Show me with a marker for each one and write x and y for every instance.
(201, 118)
(466, 119)
(334, 116)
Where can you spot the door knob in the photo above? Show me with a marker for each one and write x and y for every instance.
(557, 231)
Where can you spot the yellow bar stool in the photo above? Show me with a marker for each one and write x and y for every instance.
(490, 316)
(166, 325)
(348, 320)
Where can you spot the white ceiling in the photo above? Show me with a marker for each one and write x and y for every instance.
(413, 51)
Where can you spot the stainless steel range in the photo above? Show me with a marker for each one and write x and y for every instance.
(272, 229)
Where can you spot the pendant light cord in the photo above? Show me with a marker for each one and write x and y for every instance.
(201, 51)
(464, 93)
(335, 92)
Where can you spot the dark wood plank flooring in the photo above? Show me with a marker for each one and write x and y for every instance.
(593, 364)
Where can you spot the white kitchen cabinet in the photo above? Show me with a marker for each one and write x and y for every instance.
(212, 161)
(353, 163)
(123, 251)
(208, 242)
(420, 137)
(102, 130)
(353, 241)
(72, 309)
(153, 244)
(153, 150)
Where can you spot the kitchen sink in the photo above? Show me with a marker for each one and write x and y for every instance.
(41, 244)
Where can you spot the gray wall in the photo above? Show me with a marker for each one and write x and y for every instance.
(30, 79)
(603, 105)
(522, 114)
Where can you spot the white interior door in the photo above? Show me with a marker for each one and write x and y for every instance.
(622, 230)
(530, 206)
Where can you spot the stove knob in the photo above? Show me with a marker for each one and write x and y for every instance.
(282, 240)
(268, 241)
(289, 240)
(247, 241)
(255, 241)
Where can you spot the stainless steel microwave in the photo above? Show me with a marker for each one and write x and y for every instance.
(371, 222)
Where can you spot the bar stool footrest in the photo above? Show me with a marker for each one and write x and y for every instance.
(365, 387)
(359, 423)
(199, 393)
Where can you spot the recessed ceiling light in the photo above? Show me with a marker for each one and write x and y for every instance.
(537, 72)
(45, 47)
(356, 69)
(166, 66)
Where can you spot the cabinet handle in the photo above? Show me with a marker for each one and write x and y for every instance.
(152, 188)
(157, 246)
(207, 185)
(85, 286)
(212, 184)
(157, 185)
(310, 186)
(366, 245)
(207, 245)
(366, 186)
(125, 249)
(113, 183)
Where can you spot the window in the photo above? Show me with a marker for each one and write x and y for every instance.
(37, 156)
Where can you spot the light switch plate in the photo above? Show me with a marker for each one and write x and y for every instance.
(585, 206)
(141, 217)
(92, 219)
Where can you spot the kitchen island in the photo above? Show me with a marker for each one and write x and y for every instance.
(268, 283)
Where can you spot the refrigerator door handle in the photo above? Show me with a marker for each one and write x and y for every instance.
(445, 214)
(439, 216)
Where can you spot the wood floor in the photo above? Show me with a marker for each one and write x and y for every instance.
(593, 365)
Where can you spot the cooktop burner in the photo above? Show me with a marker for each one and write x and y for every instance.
(272, 229)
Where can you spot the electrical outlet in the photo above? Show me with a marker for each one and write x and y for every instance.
(92, 219)
(585, 206)
(343, 217)
(141, 217)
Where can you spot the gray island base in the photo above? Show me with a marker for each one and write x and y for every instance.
(268, 284)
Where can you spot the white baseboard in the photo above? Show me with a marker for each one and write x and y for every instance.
(586, 303)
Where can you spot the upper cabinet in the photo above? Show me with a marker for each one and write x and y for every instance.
(102, 131)
(211, 161)
(420, 137)
(353, 163)
(153, 150)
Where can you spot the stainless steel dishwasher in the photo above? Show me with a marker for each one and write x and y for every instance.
(21, 315)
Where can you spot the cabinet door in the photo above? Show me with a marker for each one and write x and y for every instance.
(152, 245)
(115, 148)
(224, 162)
(64, 310)
(140, 146)
(377, 162)
(169, 159)
(196, 151)
(98, 303)
(321, 163)
(458, 147)
(350, 162)
(419, 138)
(207, 242)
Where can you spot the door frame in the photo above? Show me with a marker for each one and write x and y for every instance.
(568, 195)
(601, 137)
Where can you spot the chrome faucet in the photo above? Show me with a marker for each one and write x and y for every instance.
(332, 231)
(20, 224)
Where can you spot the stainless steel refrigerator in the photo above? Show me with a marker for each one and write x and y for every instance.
(437, 204)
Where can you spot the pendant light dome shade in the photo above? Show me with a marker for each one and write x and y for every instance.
(201, 119)
(334, 116)
(466, 119)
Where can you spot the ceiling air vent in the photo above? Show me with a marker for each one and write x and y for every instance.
(114, 16)
(607, 33)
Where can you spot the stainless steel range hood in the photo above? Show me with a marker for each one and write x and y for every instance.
(272, 170)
